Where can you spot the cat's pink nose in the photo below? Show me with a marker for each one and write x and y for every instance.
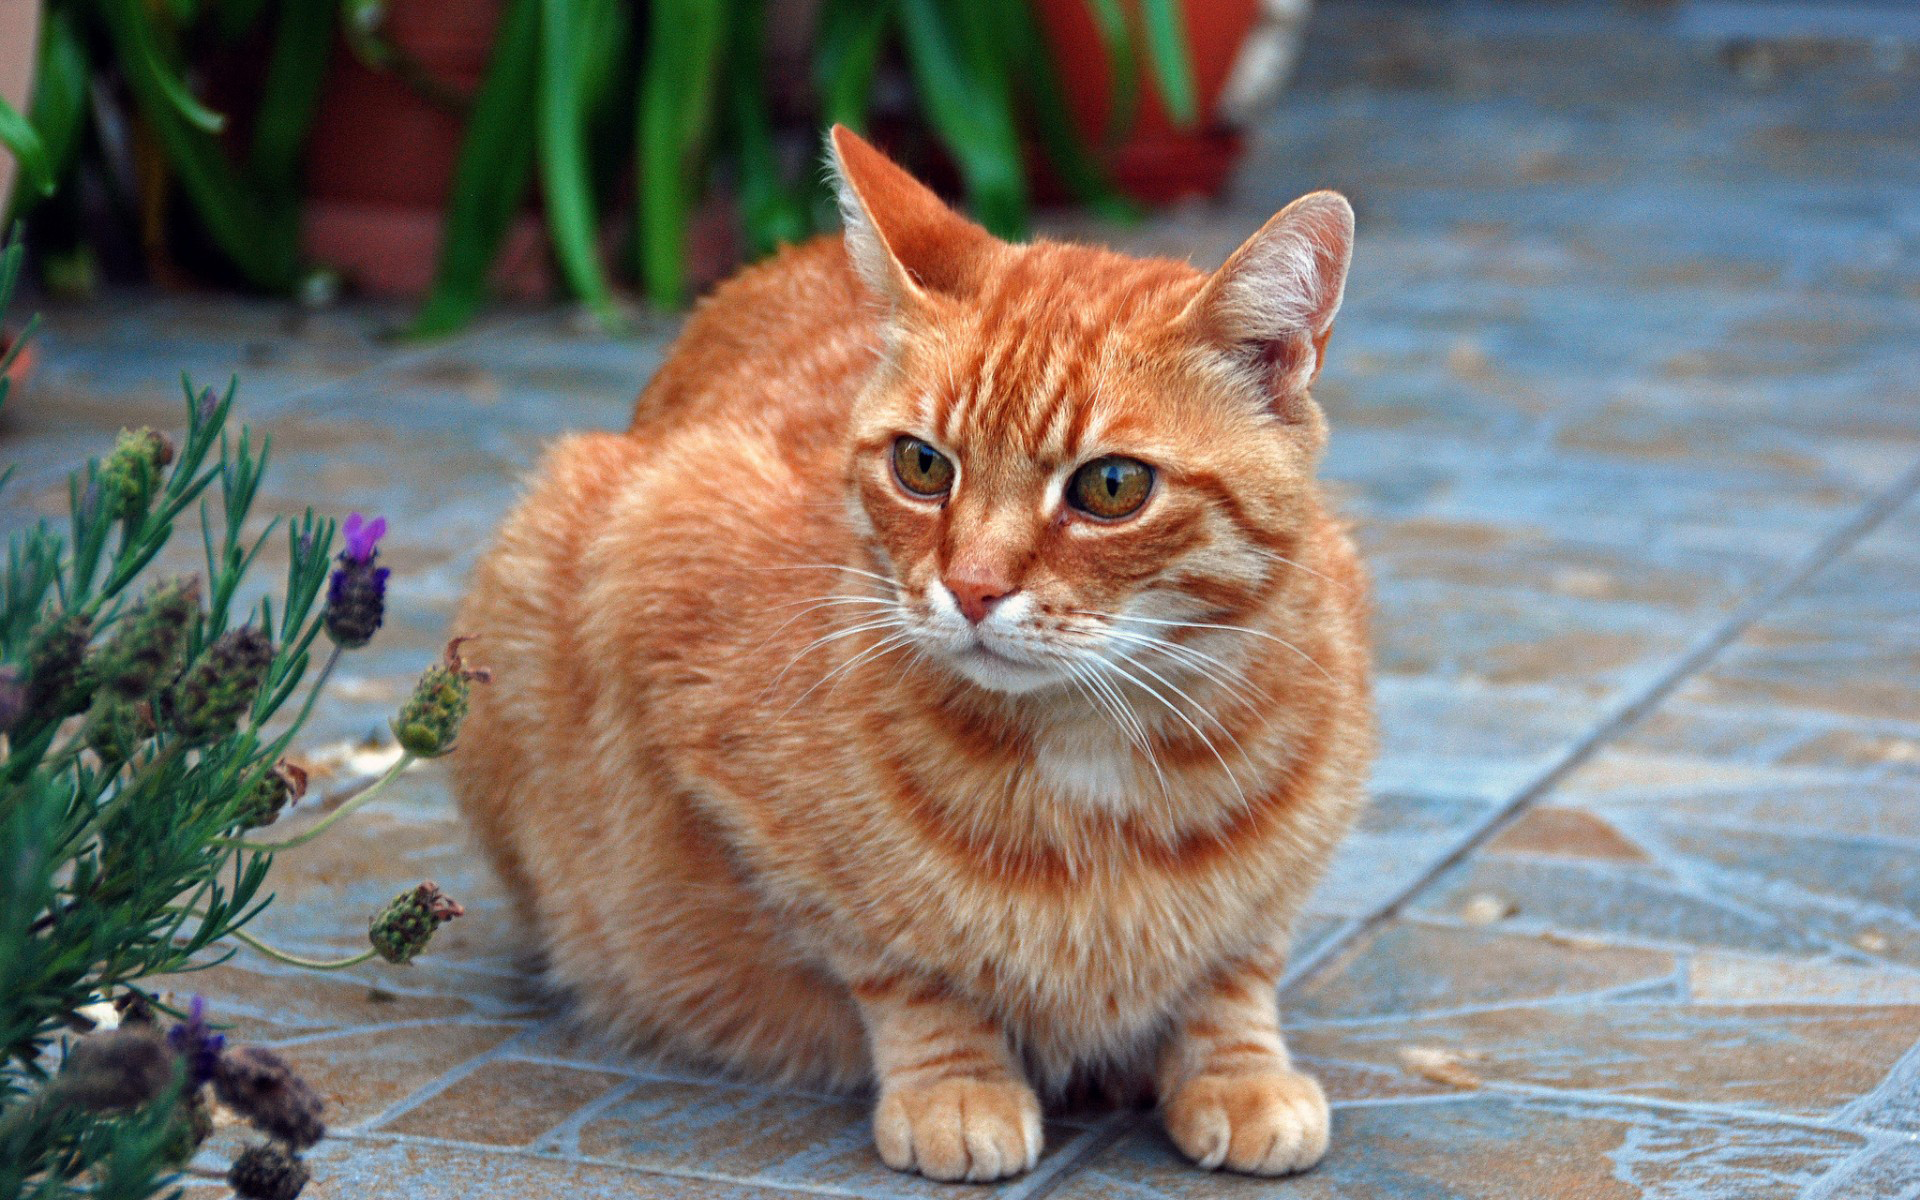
(976, 591)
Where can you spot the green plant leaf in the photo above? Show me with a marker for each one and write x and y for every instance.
(962, 80)
(685, 40)
(561, 144)
(1123, 66)
(773, 213)
(1172, 59)
(28, 150)
(1019, 31)
(302, 46)
(490, 182)
(60, 91)
(259, 236)
(145, 59)
(852, 35)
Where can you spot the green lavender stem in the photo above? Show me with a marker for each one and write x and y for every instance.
(327, 822)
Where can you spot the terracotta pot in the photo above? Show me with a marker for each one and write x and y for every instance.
(19, 53)
(1155, 161)
(381, 163)
(22, 365)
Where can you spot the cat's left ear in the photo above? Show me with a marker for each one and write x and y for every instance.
(904, 242)
(1273, 301)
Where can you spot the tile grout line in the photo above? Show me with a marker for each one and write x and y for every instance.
(1098, 1142)
(441, 1082)
(1624, 715)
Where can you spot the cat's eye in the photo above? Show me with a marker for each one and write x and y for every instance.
(1110, 488)
(920, 468)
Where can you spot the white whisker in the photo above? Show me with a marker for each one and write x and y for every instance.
(1209, 625)
(891, 642)
(893, 622)
(1298, 566)
(1186, 720)
(1114, 705)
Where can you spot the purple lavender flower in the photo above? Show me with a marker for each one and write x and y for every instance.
(197, 1045)
(363, 536)
(357, 591)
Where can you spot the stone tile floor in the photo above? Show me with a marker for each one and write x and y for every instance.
(1627, 409)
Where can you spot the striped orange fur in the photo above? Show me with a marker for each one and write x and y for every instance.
(975, 794)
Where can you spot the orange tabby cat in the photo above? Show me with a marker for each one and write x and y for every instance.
(952, 681)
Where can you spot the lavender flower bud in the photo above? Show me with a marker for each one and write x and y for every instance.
(357, 590)
(116, 1071)
(210, 699)
(402, 929)
(191, 1125)
(115, 728)
(266, 1173)
(144, 647)
(430, 719)
(132, 472)
(260, 1086)
(197, 1045)
(56, 685)
(275, 790)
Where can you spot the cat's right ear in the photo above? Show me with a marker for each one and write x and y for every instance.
(904, 242)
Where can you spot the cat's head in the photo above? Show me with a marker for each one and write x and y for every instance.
(1067, 454)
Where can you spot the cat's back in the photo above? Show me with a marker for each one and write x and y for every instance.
(790, 338)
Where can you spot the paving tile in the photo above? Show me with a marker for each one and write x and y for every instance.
(1518, 638)
(264, 1003)
(1471, 741)
(1808, 1061)
(1392, 844)
(377, 1169)
(1703, 791)
(1847, 889)
(1502, 1148)
(767, 1136)
(507, 1102)
(1565, 833)
(1723, 977)
(360, 1074)
(1407, 967)
(1612, 901)
(1888, 1170)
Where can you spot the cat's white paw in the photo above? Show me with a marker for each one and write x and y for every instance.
(1268, 1123)
(972, 1129)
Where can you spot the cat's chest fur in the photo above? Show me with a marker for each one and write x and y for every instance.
(1035, 885)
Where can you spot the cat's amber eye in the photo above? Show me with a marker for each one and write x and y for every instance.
(920, 468)
(1110, 488)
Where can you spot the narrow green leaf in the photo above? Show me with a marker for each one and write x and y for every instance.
(174, 89)
(490, 182)
(18, 134)
(1123, 65)
(773, 213)
(1172, 60)
(853, 33)
(60, 91)
(561, 144)
(1019, 31)
(962, 80)
(261, 238)
(676, 111)
(302, 47)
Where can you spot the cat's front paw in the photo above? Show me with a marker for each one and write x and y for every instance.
(972, 1129)
(1267, 1123)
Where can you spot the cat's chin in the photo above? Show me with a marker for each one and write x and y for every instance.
(997, 672)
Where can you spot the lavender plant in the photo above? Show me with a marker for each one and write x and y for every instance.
(142, 747)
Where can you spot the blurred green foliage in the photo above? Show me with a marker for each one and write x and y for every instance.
(592, 105)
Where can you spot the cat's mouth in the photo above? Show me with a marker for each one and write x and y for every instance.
(999, 671)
